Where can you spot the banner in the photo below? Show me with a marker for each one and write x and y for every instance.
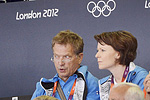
(27, 28)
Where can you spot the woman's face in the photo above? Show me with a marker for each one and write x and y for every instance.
(106, 56)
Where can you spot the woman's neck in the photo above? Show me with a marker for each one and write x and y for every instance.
(118, 72)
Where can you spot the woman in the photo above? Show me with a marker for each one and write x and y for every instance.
(116, 52)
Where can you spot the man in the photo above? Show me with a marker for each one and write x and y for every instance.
(76, 82)
(126, 91)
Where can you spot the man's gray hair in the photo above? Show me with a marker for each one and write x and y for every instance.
(134, 92)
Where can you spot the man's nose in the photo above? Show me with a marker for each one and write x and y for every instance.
(61, 61)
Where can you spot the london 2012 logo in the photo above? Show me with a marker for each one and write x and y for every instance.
(147, 4)
(101, 8)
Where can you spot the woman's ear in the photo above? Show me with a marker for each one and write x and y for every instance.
(117, 56)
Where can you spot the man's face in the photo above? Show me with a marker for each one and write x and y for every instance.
(65, 60)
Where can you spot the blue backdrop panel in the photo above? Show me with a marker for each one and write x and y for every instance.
(27, 28)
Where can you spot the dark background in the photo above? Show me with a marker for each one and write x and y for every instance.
(25, 45)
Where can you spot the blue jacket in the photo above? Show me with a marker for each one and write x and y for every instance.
(45, 86)
(136, 75)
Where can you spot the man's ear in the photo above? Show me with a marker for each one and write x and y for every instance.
(80, 57)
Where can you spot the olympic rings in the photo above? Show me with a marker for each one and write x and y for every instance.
(101, 10)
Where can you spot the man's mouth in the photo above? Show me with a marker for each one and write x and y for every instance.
(62, 70)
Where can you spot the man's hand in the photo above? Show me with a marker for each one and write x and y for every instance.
(147, 86)
(147, 83)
